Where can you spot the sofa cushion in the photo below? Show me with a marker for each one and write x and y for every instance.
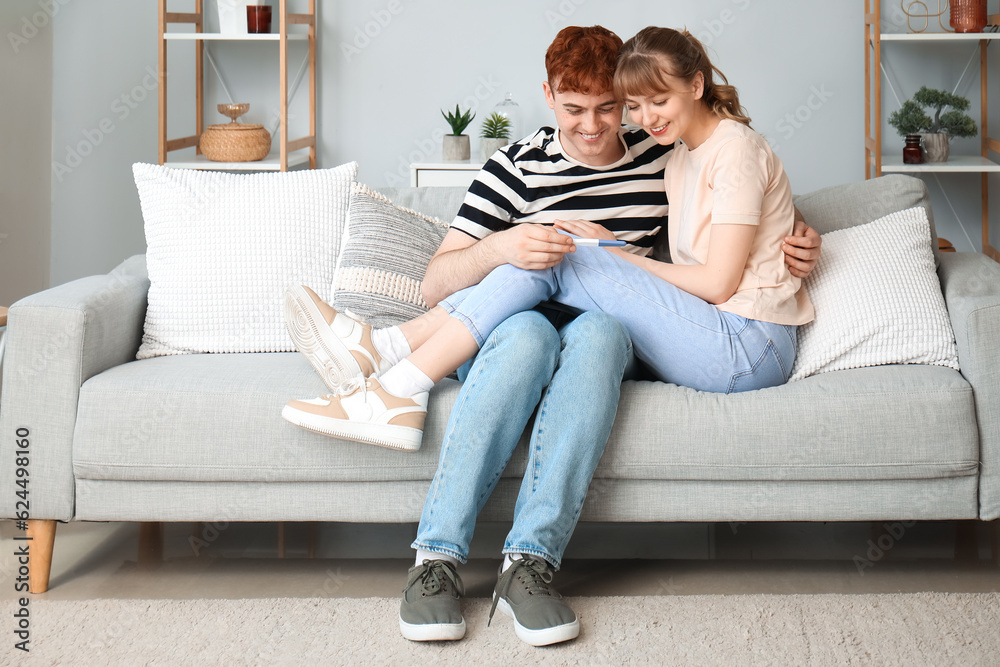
(217, 418)
(877, 300)
(385, 256)
(222, 249)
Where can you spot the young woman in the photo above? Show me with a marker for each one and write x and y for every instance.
(721, 318)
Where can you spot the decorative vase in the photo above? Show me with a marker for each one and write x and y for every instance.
(968, 15)
(912, 153)
(490, 145)
(512, 111)
(455, 148)
(233, 16)
(936, 147)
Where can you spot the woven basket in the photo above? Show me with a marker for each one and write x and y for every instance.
(235, 142)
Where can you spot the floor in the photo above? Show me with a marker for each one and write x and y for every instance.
(104, 560)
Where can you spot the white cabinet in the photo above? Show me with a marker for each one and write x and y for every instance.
(444, 174)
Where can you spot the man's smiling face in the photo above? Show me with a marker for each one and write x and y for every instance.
(588, 125)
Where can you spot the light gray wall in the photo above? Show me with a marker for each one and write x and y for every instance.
(388, 66)
(25, 146)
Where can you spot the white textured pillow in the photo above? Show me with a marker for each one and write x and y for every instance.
(382, 265)
(222, 248)
(877, 300)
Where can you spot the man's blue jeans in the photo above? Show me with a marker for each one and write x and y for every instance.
(572, 373)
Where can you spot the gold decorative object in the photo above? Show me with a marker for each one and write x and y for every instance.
(233, 141)
(917, 9)
(233, 111)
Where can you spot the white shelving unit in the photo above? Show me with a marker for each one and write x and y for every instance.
(983, 164)
(289, 153)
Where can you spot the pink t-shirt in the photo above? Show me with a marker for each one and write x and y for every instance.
(735, 178)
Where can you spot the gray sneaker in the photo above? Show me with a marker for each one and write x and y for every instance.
(541, 615)
(430, 610)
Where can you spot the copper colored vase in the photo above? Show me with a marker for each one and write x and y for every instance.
(968, 15)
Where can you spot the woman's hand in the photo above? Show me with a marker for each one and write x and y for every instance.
(584, 229)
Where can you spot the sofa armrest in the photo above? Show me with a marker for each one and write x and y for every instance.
(971, 285)
(56, 341)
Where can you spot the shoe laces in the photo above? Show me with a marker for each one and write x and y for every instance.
(348, 387)
(435, 576)
(534, 575)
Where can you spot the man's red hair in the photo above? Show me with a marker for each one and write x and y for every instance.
(582, 60)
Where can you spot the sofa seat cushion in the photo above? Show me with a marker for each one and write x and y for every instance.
(877, 423)
(216, 417)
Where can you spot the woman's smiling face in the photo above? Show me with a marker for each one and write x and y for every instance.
(669, 114)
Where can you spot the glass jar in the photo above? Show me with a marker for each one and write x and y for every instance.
(912, 153)
(968, 15)
(509, 108)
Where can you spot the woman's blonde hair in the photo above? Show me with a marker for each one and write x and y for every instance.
(655, 52)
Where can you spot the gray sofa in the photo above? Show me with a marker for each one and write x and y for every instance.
(200, 437)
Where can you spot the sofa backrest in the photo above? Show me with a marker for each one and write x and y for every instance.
(844, 206)
(826, 210)
(441, 203)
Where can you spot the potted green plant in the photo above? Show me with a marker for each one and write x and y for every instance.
(455, 146)
(495, 134)
(911, 118)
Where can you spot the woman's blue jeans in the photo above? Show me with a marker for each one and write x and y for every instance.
(572, 373)
(681, 338)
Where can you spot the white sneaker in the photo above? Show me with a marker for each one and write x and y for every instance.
(338, 346)
(364, 413)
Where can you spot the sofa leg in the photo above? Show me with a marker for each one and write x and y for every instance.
(312, 539)
(995, 541)
(966, 543)
(150, 545)
(42, 533)
(281, 539)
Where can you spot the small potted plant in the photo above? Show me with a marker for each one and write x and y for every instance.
(495, 134)
(911, 119)
(455, 146)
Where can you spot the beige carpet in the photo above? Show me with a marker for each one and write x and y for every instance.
(900, 629)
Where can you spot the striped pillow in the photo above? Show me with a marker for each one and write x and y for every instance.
(384, 257)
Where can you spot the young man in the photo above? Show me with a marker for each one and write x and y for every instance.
(569, 366)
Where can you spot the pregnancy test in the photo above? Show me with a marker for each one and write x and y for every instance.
(599, 243)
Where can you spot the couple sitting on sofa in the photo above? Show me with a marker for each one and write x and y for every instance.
(721, 318)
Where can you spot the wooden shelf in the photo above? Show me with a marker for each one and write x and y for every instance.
(971, 164)
(287, 153)
(210, 36)
(271, 163)
(876, 163)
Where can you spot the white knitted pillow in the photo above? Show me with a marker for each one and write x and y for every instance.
(222, 248)
(877, 300)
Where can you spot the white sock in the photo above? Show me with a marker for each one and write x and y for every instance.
(391, 344)
(508, 560)
(404, 380)
(423, 554)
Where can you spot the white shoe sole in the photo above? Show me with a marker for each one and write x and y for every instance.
(545, 636)
(402, 438)
(328, 356)
(431, 632)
